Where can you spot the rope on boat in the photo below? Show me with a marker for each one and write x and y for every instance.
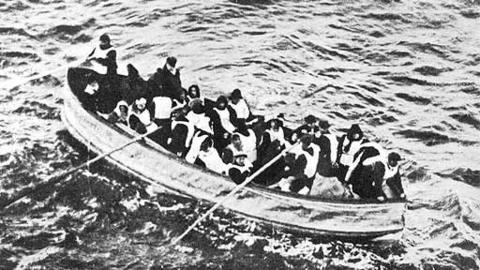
(235, 190)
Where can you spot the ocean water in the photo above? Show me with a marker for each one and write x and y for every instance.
(407, 71)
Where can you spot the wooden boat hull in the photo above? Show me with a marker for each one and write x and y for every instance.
(356, 220)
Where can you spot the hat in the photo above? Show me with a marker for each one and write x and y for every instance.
(221, 99)
(172, 61)
(394, 156)
(323, 124)
(236, 94)
(310, 119)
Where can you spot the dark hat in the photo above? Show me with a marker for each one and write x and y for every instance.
(310, 119)
(354, 129)
(236, 94)
(394, 157)
(105, 38)
(323, 124)
(172, 61)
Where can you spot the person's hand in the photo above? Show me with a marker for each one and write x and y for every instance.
(335, 165)
(225, 135)
(381, 198)
(402, 196)
(179, 154)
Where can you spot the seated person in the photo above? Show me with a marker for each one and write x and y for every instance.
(181, 102)
(302, 167)
(198, 118)
(235, 148)
(209, 158)
(182, 133)
(249, 140)
(239, 169)
(240, 106)
(120, 114)
(222, 118)
(140, 119)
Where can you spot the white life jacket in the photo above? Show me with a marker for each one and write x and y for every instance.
(190, 131)
(235, 151)
(194, 150)
(213, 161)
(249, 145)
(346, 158)
(224, 116)
(144, 118)
(333, 146)
(200, 121)
(99, 53)
(163, 107)
(241, 109)
(276, 135)
(312, 160)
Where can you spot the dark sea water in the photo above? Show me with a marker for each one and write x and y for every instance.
(407, 71)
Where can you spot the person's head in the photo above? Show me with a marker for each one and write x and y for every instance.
(104, 40)
(182, 96)
(355, 133)
(141, 104)
(324, 125)
(311, 120)
(274, 124)
(122, 109)
(194, 91)
(236, 141)
(393, 159)
(240, 159)
(206, 144)
(172, 61)
(236, 96)
(306, 140)
(221, 103)
(197, 106)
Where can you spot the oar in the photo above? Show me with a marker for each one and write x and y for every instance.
(57, 178)
(235, 190)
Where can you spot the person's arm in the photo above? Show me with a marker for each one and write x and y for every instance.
(136, 125)
(300, 165)
(237, 176)
(233, 115)
(218, 129)
(179, 135)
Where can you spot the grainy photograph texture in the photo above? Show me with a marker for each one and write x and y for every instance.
(241, 134)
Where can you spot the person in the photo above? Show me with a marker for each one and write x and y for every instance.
(222, 118)
(310, 126)
(195, 146)
(302, 167)
(181, 102)
(198, 118)
(328, 142)
(166, 81)
(208, 157)
(103, 57)
(240, 106)
(182, 133)
(375, 174)
(348, 146)
(193, 95)
(120, 114)
(96, 97)
(235, 148)
(239, 169)
(161, 109)
(139, 118)
(274, 133)
(249, 141)
(136, 86)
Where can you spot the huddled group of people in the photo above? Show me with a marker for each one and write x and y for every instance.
(225, 137)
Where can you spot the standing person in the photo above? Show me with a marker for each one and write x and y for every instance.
(240, 106)
(310, 126)
(222, 120)
(348, 146)
(161, 110)
(328, 142)
(172, 85)
(104, 57)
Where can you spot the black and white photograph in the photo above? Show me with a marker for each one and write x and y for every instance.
(239, 134)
